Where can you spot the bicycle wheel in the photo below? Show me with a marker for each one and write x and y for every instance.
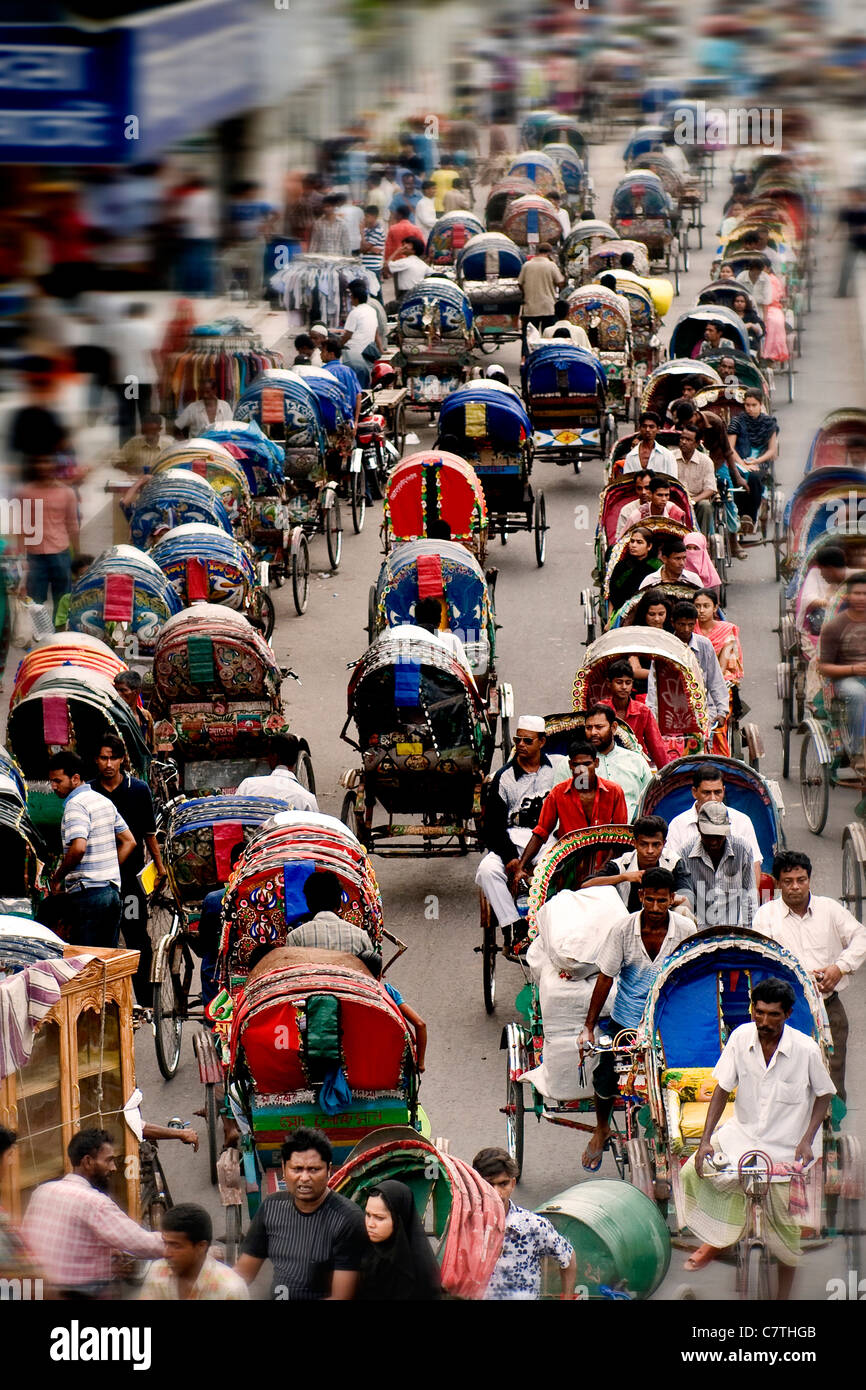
(304, 771)
(489, 952)
(358, 499)
(266, 614)
(540, 528)
(212, 1118)
(167, 1011)
(755, 1274)
(301, 576)
(234, 1233)
(334, 533)
(814, 785)
(514, 1122)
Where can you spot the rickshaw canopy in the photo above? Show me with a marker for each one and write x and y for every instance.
(595, 305)
(670, 792)
(665, 384)
(562, 369)
(72, 706)
(63, 649)
(261, 458)
(203, 564)
(278, 396)
(689, 328)
(435, 305)
(123, 585)
(684, 708)
(838, 433)
(485, 410)
(570, 165)
(172, 499)
(210, 650)
(532, 217)
(434, 486)
(542, 171)
(489, 256)
(450, 233)
(334, 407)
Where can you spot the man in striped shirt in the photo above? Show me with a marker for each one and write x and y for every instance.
(373, 241)
(96, 841)
(314, 1238)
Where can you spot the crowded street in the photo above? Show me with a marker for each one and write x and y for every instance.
(239, 569)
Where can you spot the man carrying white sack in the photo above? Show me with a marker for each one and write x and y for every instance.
(511, 810)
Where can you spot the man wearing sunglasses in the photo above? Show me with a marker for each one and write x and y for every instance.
(511, 810)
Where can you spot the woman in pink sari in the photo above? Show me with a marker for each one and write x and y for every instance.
(775, 345)
(724, 636)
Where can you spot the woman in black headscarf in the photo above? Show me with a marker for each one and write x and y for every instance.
(399, 1265)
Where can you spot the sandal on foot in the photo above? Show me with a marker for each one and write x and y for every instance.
(594, 1161)
(704, 1255)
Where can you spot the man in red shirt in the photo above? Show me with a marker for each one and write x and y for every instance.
(639, 717)
(586, 799)
(401, 228)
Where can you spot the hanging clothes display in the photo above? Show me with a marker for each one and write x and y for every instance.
(317, 287)
(225, 350)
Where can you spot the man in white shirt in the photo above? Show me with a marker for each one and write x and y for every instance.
(135, 369)
(631, 513)
(353, 216)
(425, 208)
(824, 936)
(561, 321)
(407, 267)
(629, 769)
(282, 783)
(428, 615)
(708, 785)
(562, 214)
(674, 569)
(783, 1094)
(360, 331)
(646, 453)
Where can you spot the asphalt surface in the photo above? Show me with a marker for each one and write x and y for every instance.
(432, 904)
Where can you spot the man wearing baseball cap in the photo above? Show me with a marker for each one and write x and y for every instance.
(721, 887)
(511, 809)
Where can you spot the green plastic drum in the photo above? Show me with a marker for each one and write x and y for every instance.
(619, 1236)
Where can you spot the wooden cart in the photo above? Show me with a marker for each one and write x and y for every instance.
(84, 1040)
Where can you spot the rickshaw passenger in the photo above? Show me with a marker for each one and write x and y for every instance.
(684, 618)
(708, 785)
(783, 1093)
(633, 953)
(842, 659)
(577, 334)
(824, 936)
(647, 453)
(721, 890)
(326, 929)
(755, 437)
(640, 719)
(630, 770)
(513, 803)
(630, 514)
(626, 872)
(674, 570)
(712, 342)
(282, 784)
(823, 581)
(697, 476)
(585, 799)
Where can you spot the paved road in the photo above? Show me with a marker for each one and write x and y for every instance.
(432, 905)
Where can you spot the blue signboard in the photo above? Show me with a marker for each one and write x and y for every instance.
(124, 94)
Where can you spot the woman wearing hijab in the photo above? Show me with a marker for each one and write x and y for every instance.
(699, 561)
(399, 1265)
(753, 321)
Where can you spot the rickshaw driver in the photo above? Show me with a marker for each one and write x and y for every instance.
(512, 806)
(428, 616)
(783, 1093)
(584, 800)
(632, 953)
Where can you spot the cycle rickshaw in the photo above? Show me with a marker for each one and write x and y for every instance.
(449, 235)
(540, 169)
(425, 744)
(436, 337)
(840, 441)
(681, 710)
(530, 220)
(576, 182)
(599, 312)
(123, 599)
(204, 565)
(262, 461)
(429, 488)
(665, 384)
(487, 269)
(172, 499)
(566, 395)
(499, 199)
(643, 209)
(487, 422)
(579, 244)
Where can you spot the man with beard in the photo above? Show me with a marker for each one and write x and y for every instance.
(73, 1227)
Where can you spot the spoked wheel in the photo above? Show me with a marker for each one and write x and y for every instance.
(265, 614)
(514, 1122)
(372, 611)
(685, 248)
(334, 533)
(350, 818)
(540, 529)
(790, 370)
(304, 771)
(211, 1110)
(301, 574)
(358, 499)
(755, 1274)
(398, 434)
(852, 877)
(489, 952)
(814, 785)
(234, 1232)
(167, 1005)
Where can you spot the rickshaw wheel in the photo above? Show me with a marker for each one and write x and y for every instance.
(489, 951)
(514, 1121)
(212, 1119)
(358, 501)
(234, 1232)
(852, 876)
(685, 248)
(814, 786)
(304, 771)
(167, 1015)
(372, 609)
(755, 1275)
(399, 430)
(540, 523)
(301, 576)
(334, 533)
(349, 816)
(267, 614)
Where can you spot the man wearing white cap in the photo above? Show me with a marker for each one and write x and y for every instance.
(319, 334)
(513, 803)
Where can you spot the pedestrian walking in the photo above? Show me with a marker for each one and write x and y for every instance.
(539, 278)
(188, 1272)
(313, 1237)
(133, 802)
(136, 369)
(399, 1265)
(51, 508)
(529, 1239)
(96, 841)
(73, 1227)
(852, 218)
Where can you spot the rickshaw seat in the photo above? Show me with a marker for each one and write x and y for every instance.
(688, 1091)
